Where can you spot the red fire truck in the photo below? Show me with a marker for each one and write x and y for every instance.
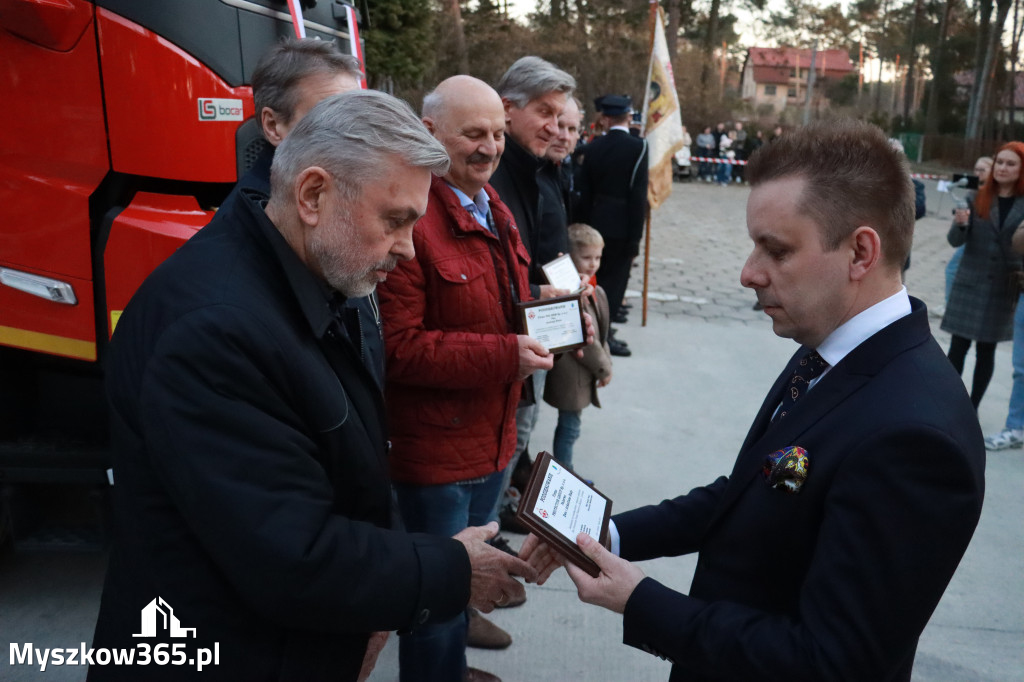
(125, 124)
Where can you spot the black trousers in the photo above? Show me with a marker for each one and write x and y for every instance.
(613, 275)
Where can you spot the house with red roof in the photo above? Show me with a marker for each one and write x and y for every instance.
(778, 75)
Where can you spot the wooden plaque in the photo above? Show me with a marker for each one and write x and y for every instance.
(557, 505)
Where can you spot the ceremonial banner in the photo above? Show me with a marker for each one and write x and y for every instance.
(663, 125)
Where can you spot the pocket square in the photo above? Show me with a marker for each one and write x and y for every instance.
(786, 469)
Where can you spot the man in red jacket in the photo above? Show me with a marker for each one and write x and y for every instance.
(455, 363)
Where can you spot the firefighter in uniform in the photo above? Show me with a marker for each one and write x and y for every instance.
(613, 199)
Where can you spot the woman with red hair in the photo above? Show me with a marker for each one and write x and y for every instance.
(985, 288)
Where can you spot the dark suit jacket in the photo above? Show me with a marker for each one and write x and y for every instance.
(836, 581)
(531, 189)
(251, 490)
(613, 185)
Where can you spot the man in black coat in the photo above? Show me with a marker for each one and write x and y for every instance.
(860, 483)
(534, 93)
(559, 157)
(252, 506)
(613, 199)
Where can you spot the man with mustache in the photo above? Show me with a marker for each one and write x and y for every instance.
(455, 364)
(250, 443)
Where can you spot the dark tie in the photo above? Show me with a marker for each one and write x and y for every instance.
(807, 369)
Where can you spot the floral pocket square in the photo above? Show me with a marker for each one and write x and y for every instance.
(786, 469)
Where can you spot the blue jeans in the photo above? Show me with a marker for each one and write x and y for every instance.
(951, 268)
(438, 652)
(526, 419)
(724, 172)
(566, 433)
(1015, 417)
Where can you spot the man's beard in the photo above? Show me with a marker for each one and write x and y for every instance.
(336, 269)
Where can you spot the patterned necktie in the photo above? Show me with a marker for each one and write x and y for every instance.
(810, 367)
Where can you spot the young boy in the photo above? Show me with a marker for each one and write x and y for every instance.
(572, 383)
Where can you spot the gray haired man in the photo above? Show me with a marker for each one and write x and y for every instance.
(534, 92)
(252, 501)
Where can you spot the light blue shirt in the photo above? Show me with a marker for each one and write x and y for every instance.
(479, 206)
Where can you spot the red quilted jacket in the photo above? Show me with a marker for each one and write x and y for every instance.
(452, 356)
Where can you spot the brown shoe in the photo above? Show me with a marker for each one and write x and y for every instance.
(483, 634)
(477, 675)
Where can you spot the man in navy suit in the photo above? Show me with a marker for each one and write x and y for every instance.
(860, 483)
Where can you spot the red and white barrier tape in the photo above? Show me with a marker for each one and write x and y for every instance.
(731, 162)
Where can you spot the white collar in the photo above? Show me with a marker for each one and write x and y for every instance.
(862, 326)
(624, 129)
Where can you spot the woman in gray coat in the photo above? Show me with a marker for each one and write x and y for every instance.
(985, 288)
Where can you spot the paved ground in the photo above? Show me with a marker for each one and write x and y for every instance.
(674, 417)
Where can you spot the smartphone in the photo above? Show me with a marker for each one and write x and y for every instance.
(972, 180)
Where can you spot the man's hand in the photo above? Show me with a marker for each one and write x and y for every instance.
(492, 583)
(541, 557)
(601, 383)
(532, 356)
(589, 331)
(373, 649)
(548, 291)
(613, 586)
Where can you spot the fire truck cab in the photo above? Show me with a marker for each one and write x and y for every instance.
(126, 124)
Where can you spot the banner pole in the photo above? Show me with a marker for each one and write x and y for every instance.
(647, 266)
(647, 229)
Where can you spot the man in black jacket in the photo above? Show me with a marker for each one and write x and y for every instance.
(252, 505)
(534, 93)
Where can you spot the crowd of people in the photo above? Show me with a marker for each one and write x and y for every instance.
(723, 152)
(320, 400)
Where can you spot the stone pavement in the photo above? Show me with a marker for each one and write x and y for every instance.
(699, 244)
(674, 417)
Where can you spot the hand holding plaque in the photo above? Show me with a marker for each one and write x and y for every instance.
(558, 505)
(557, 323)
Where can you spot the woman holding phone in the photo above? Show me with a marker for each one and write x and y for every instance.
(985, 288)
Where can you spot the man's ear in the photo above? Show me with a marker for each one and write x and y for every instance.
(274, 126)
(311, 186)
(508, 104)
(866, 252)
(429, 123)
